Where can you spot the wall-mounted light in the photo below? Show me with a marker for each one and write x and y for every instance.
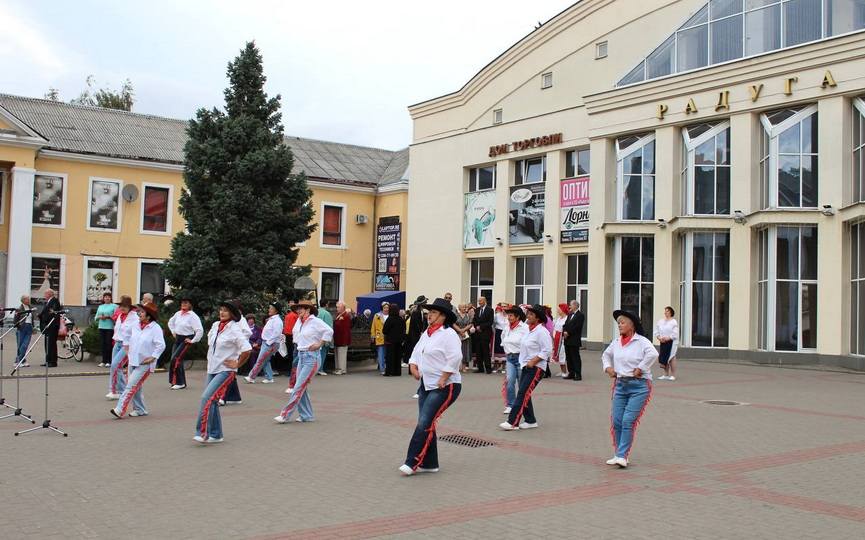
(739, 217)
(549, 238)
(499, 240)
(662, 223)
(827, 210)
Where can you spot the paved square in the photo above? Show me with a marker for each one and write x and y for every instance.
(788, 463)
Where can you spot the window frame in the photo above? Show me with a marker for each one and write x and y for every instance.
(769, 178)
(578, 290)
(476, 171)
(338, 271)
(521, 290)
(523, 166)
(4, 177)
(169, 209)
(618, 281)
(689, 172)
(855, 232)
(546, 80)
(342, 225)
(61, 294)
(478, 289)
(858, 185)
(138, 290)
(621, 153)
(686, 311)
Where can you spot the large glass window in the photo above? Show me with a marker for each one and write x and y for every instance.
(482, 178)
(635, 156)
(577, 163)
(787, 285)
(635, 276)
(789, 160)
(858, 150)
(706, 288)
(857, 288)
(151, 280)
(530, 171)
(155, 217)
(481, 282)
(725, 30)
(706, 175)
(578, 283)
(530, 280)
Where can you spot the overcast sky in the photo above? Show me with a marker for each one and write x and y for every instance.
(347, 70)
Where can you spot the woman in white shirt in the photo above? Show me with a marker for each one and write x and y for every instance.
(435, 362)
(123, 324)
(185, 326)
(145, 347)
(512, 338)
(227, 349)
(667, 333)
(628, 359)
(271, 337)
(535, 350)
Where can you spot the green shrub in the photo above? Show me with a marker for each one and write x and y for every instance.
(90, 339)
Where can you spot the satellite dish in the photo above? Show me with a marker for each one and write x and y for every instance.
(129, 193)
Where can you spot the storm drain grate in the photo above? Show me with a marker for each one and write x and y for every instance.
(721, 402)
(471, 442)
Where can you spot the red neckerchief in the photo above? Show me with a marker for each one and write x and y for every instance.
(222, 325)
(433, 328)
(516, 324)
(532, 327)
(626, 340)
(184, 311)
(144, 325)
(123, 317)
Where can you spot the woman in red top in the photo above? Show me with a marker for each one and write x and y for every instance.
(341, 337)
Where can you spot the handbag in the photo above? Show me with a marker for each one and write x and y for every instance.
(63, 331)
(283, 348)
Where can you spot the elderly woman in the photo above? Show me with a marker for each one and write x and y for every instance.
(463, 325)
(143, 350)
(341, 337)
(535, 350)
(667, 333)
(310, 335)
(435, 362)
(629, 360)
(105, 322)
(512, 339)
(227, 349)
(271, 337)
(125, 324)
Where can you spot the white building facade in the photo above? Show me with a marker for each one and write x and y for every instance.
(706, 156)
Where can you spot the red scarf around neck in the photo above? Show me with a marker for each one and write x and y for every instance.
(433, 328)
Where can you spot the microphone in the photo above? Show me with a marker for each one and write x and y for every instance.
(61, 311)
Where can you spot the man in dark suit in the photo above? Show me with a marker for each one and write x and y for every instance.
(572, 332)
(46, 316)
(483, 324)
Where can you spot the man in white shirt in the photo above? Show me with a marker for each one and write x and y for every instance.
(186, 327)
(535, 350)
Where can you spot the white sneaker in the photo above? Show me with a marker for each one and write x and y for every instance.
(507, 410)
(406, 470)
(249, 380)
(136, 413)
(238, 402)
(528, 425)
(267, 381)
(508, 427)
(299, 419)
(198, 438)
(612, 460)
(214, 440)
(663, 378)
(221, 402)
(416, 396)
(404, 364)
(321, 373)
(109, 395)
(671, 378)
(178, 386)
(430, 470)
(280, 419)
(621, 462)
(289, 390)
(101, 364)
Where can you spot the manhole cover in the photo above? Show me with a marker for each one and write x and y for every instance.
(721, 402)
(471, 442)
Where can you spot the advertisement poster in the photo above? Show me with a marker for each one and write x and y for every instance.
(44, 275)
(104, 204)
(388, 243)
(48, 200)
(100, 280)
(526, 220)
(575, 210)
(480, 218)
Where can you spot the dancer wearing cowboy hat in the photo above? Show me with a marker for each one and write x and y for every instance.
(435, 362)
(310, 335)
(512, 338)
(535, 350)
(628, 360)
(145, 347)
(227, 349)
(186, 327)
(271, 337)
(124, 326)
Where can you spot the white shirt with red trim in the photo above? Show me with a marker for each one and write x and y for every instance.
(309, 332)
(147, 342)
(436, 354)
(537, 343)
(624, 359)
(511, 339)
(226, 345)
(272, 331)
(123, 331)
(186, 323)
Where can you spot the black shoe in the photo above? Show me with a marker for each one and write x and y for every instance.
(478, 371)
(578, 378)
(49, 365)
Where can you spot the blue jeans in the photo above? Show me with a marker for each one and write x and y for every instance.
(116, 378)
(512, 379)
(134, 391)
(529, 379)
(422, 449)
(264, 360)
(380, 350)
(209, 422)
(629, 401)
(307, 366)
(23, 335)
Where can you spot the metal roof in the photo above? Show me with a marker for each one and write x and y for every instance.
(96, 131)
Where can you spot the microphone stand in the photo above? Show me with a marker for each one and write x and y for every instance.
(17, 408)
(46, 424)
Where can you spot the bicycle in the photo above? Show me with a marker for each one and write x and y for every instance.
(70, 346)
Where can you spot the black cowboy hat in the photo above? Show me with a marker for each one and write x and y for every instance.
(516, 310)
(638, 326)
(540, 311)
(232, 308)
(184, 297)
(277, 306)
(150, 309)
(307, 305)
(443, 306)
(421, 300)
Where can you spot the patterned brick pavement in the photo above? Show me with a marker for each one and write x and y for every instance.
(788, 463)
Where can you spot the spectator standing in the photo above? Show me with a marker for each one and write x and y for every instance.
(483, 326)
(105, 323)
(463, 326)
(572, 332)
(377, 334)
(341, 338)
(327, 318)
(24, 321)
(394, 335)
(49, 323)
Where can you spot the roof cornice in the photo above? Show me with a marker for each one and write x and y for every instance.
(340, 187)
(118, 162)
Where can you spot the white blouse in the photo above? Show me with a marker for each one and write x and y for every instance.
(226, 345)
(537, 343)
(147, 342)
(624, 359)
(667, 329)
(511, 339)
(436, 354)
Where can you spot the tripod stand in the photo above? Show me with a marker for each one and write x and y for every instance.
(17, 408)
(46, 424)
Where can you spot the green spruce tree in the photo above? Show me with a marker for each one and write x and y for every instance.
(244, 210)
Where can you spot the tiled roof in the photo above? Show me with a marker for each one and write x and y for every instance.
(119, 134)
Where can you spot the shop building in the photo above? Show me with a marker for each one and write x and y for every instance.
(702, 155)
(89, 204)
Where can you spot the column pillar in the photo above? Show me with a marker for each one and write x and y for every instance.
(20, 234)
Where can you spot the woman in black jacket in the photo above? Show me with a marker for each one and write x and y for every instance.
(394, 335)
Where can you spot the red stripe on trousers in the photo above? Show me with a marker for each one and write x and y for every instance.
(639, 416)
(176, 362)
(432, 428)
(299, 391)
(260, 361)
(120, 366)
(205, 414)
(538, 374)
(133, 391)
